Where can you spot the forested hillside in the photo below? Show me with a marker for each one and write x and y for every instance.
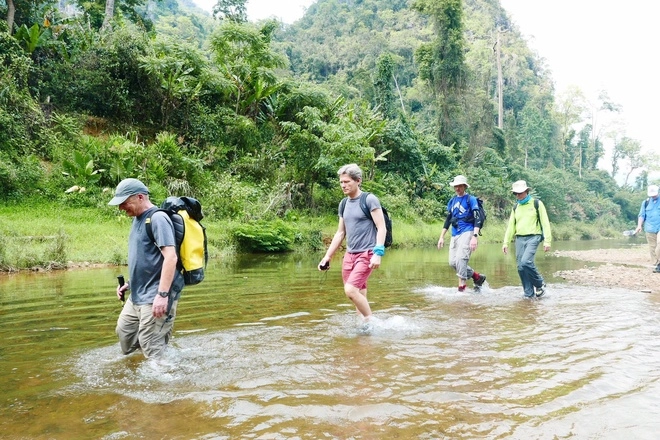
(255, 118)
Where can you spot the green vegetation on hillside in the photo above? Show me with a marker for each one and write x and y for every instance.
(254, 119)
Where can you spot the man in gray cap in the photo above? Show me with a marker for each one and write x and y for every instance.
(148, 315)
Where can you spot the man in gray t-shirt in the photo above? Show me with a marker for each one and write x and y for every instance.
(147, 317)
(365, 240)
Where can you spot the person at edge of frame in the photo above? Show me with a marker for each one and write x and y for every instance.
(148, 315)
(531, 227)
(465, 220)
(365, 240)
(649, 217)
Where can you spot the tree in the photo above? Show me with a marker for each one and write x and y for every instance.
(109, 13)
(442, 62)
(570, 107)
(629, 150)
(244, 57)
(11, 12)
(233, 10)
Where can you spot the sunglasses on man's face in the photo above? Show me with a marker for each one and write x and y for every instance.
(517, 194)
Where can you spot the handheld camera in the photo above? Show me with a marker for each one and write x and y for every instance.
(120, 280)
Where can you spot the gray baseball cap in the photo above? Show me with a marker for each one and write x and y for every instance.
(127, 188)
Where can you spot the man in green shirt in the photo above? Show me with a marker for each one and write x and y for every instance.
(530, 226)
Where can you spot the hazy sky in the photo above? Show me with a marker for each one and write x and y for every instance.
(593, 44)
(600, 45)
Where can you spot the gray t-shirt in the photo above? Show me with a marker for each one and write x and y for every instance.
(360, 229)
(145, 260)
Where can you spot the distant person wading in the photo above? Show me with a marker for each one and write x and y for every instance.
(649, 217)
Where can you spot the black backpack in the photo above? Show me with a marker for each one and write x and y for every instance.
(365, 210)
(482, 213)
(190, 236)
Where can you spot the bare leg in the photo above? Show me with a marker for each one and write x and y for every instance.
(359, 298)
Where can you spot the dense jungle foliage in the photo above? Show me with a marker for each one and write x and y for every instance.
(254, 119)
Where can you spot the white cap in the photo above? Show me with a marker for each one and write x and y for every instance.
(652, 191)
(459, 180)
(519, 186)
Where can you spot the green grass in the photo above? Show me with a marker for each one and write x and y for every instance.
(51, 235)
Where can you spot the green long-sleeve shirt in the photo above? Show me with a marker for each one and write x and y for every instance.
(524, 221)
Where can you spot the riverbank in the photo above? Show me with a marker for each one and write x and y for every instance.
(41, 236)
(628, 268)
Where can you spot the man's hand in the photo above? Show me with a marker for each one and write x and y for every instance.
(441, 242)
(473, 244)
(159, 307)
(505, 249)
(121, 291)
(375, 261)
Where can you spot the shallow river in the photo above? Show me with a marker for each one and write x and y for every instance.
(268, 348)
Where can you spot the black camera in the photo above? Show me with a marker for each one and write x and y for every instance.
(325, 266)
(121, 282)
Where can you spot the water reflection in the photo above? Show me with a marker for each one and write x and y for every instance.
(268, 348)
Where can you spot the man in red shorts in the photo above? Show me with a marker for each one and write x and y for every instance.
(365, 238)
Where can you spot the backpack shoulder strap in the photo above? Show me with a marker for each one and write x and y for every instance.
(363, 205)
(342, 206)
(150, 232)
(177, 222)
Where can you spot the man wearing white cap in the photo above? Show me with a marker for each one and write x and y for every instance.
(147, 318)
(530, 226)
(649, 216)
(465, 218)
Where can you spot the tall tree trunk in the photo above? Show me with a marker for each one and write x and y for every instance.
(11, 11)
(500, 83)
(109, 13)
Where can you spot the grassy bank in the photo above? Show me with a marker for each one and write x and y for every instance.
(54, 236)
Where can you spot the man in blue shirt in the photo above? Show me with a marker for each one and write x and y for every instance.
(466, 222)
(649, 216)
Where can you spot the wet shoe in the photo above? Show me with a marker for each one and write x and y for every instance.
(366, 328)
(540, 291)
(461, 288)
(480, 281)
(656, 269)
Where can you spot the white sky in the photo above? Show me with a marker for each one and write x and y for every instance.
(594, 44)
(600, 45)
(286, 10)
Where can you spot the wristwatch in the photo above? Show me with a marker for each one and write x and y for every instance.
(476, 235)
(164, 294)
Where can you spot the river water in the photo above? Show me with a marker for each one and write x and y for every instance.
(268, 348)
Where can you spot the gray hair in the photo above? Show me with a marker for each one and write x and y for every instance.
(352, 170)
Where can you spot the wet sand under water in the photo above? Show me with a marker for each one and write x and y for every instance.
(628, 268)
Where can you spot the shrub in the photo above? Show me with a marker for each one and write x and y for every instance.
(273, 236)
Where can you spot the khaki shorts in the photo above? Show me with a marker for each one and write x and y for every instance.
(138, 329)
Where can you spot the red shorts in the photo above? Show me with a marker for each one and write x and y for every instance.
(355, 269)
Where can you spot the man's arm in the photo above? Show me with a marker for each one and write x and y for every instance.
(379, 221)
(334, 245)
(159, 307)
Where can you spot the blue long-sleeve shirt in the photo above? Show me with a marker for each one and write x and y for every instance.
(650, 212)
